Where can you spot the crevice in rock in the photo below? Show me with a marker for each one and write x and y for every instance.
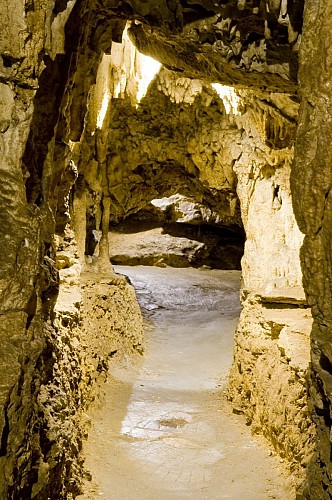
(5, 431)
(46, 112)
(325, 363)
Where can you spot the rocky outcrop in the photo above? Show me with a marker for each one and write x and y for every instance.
(175, 245)
(178, 208)
(112, 322)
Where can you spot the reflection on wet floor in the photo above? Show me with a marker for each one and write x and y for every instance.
(163, 430)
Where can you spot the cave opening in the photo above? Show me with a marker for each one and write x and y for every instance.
(157, 137)
(174, 231)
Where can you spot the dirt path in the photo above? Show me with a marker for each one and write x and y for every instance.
(163, 429)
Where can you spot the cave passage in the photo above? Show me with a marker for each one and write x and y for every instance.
(229, 131)
(163, 429)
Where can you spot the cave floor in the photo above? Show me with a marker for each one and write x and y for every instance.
(162, 428)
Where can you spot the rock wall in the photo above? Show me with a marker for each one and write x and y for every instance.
(28, 276)
(268, 380)
(311, 188)
(96, 317)
(45, 49)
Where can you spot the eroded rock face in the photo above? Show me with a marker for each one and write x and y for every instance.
(311, 187)
(42, 386)
(241, 43)
(271, 361)
(183, 136)
(268, 377)
(28, 277)
(96, 317)
(49, 143)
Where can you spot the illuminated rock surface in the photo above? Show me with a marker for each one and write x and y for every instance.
(83, 147)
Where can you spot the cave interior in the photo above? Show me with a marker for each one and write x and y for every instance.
(202, 127)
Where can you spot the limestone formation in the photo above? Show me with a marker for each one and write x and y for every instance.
(268, 380)
(311, 183)
(175, 245)
(81, 147)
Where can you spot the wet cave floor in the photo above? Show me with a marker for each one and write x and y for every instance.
(162, 429)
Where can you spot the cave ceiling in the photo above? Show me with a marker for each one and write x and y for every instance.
(248, 44)
(251, 45)
(244, 43)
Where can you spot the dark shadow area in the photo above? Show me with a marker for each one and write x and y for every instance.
(210, 245)
(46, 114)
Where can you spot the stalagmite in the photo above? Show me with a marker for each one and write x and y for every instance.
(79, 222)
(104, 252)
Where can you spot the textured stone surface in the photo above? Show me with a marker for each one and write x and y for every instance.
(95, 318)
(245, 44)
(311, 187)
(268, 377)
(49, 143)
(40, 361)
(154, 150)
(175, 246)
(268, 381)
(112, 320)
(26, 268)
(184, 136)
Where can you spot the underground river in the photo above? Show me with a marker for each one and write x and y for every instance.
(162, 429)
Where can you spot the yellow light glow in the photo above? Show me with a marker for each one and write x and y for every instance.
(103, 109)
(230, 98)
(148, 69)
